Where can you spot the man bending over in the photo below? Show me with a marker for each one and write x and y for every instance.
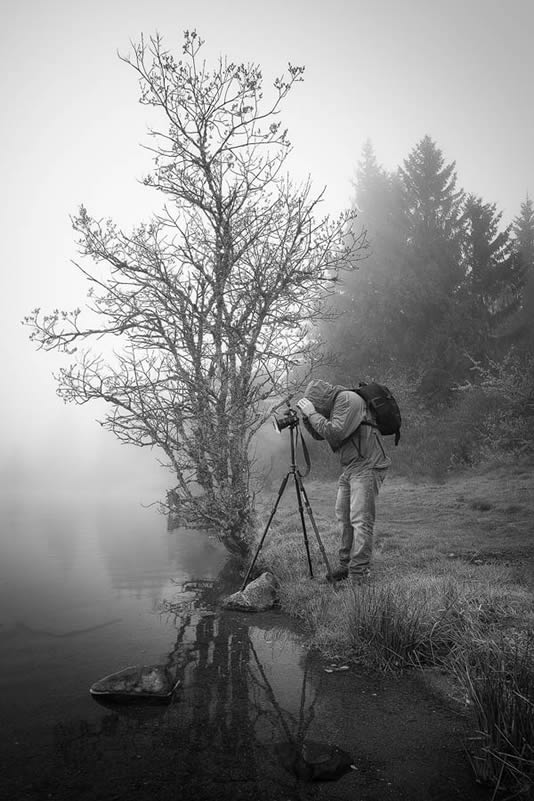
(343, 419)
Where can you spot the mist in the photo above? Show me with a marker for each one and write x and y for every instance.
(75, 131)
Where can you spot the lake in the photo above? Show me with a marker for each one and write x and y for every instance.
(93, 582)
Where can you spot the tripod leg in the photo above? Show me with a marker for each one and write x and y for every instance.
(298, 479)
(302, 520)
(275, 507)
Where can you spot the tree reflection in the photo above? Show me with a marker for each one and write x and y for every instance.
(218, 737)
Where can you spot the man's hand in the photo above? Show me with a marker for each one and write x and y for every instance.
(306, 406)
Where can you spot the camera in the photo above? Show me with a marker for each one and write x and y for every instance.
(288, 420)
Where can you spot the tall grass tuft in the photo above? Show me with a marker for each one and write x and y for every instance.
(386, 626)
(404, 624)
(498, 680)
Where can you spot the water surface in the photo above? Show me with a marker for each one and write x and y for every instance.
(92, 584)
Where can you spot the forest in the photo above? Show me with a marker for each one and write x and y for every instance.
(441, 310)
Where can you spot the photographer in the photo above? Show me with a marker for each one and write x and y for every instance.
(342, 418)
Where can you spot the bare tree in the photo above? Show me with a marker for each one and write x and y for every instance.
(211, 303)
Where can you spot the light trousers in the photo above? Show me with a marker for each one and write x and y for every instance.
(356, 512)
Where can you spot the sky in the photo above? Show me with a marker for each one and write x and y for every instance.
(72, 132)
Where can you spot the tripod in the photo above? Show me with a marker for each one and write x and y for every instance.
(301, 494)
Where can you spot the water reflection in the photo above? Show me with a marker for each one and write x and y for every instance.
(245, 690)
(87, 591)
(250, 696)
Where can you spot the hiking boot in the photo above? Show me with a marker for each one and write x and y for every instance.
(360, 579)
(339, 574)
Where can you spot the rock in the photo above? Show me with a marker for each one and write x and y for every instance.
(314, 761)
(257, 596)
(136, 683)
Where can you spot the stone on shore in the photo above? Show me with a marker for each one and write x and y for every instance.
(258, 596)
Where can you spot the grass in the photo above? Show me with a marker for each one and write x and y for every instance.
(453, 584)
(499, 683)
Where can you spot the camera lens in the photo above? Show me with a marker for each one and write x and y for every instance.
(289, 419)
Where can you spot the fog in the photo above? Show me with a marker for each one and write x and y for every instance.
(85, 558)
(52, 450)
(73, 128)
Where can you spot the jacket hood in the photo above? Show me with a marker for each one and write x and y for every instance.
(322, 395)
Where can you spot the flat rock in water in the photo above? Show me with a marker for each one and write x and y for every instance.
(257, 596)
(136, 683)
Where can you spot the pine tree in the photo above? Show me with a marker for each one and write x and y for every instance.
(432, 200)
(523, 230)
(399, 309)
(371, 188)
(494, 273)
(431, 264)
(359, 340)
(522, 326)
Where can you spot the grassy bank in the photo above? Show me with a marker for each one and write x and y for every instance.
(453, 586)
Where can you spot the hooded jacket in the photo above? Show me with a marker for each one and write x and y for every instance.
(338, 416)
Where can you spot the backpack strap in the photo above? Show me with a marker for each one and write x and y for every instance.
(357, 429)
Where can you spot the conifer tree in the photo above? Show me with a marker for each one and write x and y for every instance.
(371, 187)
(399, 308)
(523, 230)
(494, 273)
(431, 263)
(433, 202)
(359, 338)
(522, 325)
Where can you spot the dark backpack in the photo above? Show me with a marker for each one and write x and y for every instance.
(383, 405)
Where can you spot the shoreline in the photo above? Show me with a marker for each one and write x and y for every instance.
(451, 593)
